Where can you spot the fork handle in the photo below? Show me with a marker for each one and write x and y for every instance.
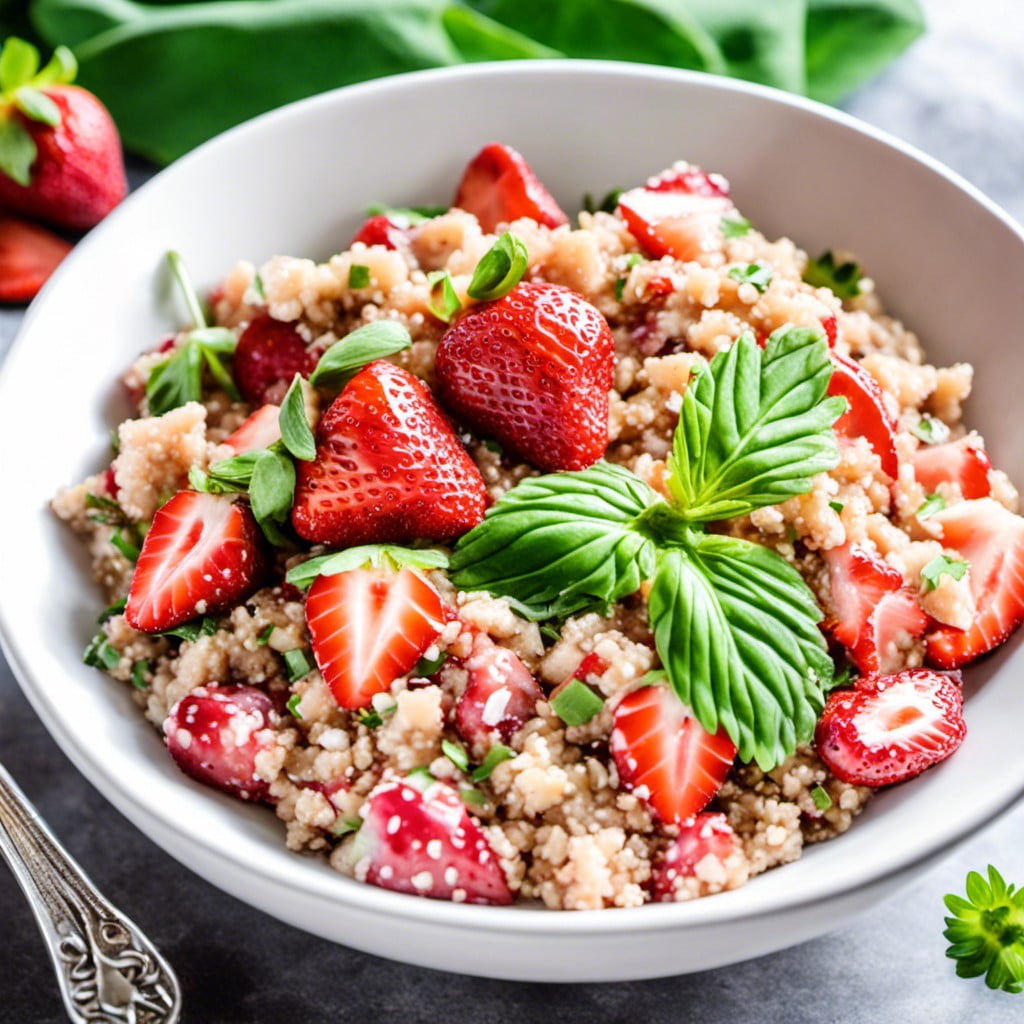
(106, 968)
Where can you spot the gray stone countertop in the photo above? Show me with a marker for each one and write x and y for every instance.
(958, 95)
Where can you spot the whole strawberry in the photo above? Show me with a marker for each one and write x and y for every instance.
(60, 154)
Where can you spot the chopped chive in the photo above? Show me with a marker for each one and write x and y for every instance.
(428, 666)
(941, 566)
(259, 289)
(735, 227)
(264, 638)
(346, 826)
(836, 506)
(111, 610)
(791, 535)
(758, 274)
(633, 258)
(124, 545)
(498, 753)
(420, 772)
(115, 440)
(932, 504)
(821, 798)
(472, 795)
(108, 512)
(456, 753)
(620, 288)
(298, 664)
(358, 276)
(293, 705)
(577, 703)
(140, 669)
(444, 301)
(100, 653)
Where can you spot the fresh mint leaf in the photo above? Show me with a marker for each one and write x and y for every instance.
(444, 300)
(375, 555)
(271, 492)
(737, 631)
(755, 426)
(101, 654)
(345, 358)
(940, 566)
(295, 432)
(559, 543)
(758, 274)
(179, 379)
(500, 270)
(843, 278)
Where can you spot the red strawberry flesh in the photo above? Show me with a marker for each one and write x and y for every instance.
(29, 254)
(259, 430)
(957, 462)
(705, 835)
(867, 415)
(268, 355)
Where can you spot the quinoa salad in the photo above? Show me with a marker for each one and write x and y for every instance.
(510, 560)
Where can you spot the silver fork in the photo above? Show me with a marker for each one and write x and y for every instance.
(107, 969)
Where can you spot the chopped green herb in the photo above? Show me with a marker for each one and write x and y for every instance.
(128, 548)
(735, 227)
(377, 555)
(428, 666)
(577, 703)
(345, 358)
(456, 753)
(836, 506)
(609, 204)
(821, 798)
(258, 288)
(115, 440)
(633, 259)
(758, 274)
(472, 795)
(405, 216)
(498, 753)
(298, 664)
(421, 773)
(370, 718)
(346, 826)
(500, 270)
(941, 566)
(986, 931)
(930, 430)
(444, 300)
(112, 609)
(358, 276)
(140, 669)
(193, 629)
(493, 446)
(295, 431)
(108, 512)
(843, 278)
(620, 288)
(844, 677)
(293, 704)
(550, 634)
(100, 653)
(264, 638)
(932, 504)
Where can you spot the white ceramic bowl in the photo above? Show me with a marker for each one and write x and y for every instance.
(295, 181)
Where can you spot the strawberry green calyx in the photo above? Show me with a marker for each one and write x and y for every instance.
(22, 85)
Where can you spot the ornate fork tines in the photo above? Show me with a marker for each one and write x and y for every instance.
(107, 969)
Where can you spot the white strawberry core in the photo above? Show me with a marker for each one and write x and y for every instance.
(899, 714)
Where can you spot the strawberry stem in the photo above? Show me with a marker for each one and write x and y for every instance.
(195, 308)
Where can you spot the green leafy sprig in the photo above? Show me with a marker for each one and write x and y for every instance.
(734, 624)
(501, 268)
(842, 278)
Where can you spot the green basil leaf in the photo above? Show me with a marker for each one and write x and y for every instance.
(19, 62)
(755, 426)
(101, 653)
(17, 150)
(176, 381)
(737, 631)
(271, 492)
(444, 301)
(295, 432)
(345, 358)
(37, 106)
(556, 544)
(376, 555)
(500, 270)
(940, 566)
(140, 669)
(842, 278)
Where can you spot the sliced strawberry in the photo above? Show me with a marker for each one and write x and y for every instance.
(533, 370)
(665, 756)
(500, 696)
(369, 627)
(260, 430)
(29, 254)
(498, 186)
(991, 539)
(957, 462)
(591, 665)
(423, 841)
(215, 734)
(867, 415)
(890, 728)
(678, 213)
(381, 230)
(874, 614)
(269, 354)
(830, 325)
(704, 836)
(388, 467)
(201, 555)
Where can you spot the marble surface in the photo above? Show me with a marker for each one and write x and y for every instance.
(959, 95)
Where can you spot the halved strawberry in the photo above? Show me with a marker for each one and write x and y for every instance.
(867, 415)
(500, 696)
(678, 213)
(381, 230)
(830, 325)
(957, 462)
(388, 467)
(418, 838)
(215, 734)
(533, 370)
(268, 355)
(665, 756)
(991, 539)
(890, 728)
(369, 627)
(874, 615)
(201, 555)
(703, 836)
(260, 430)
(29, 254)
(498, 186)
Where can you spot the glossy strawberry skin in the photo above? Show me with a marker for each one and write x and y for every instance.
(214, 734)
(381, 230)
(532, 370)
(422, 841)
(991, 539)
(957, 462)
(268, 355)
(867, 415)
(202, 554)
(369, 627)
(388, 467)
(662, 752)
(891, 728)
(498, 186)
(500, 696)
(78, 175)
(701, 836)
(29, 254)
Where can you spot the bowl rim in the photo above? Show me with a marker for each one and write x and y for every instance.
(338, 889)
